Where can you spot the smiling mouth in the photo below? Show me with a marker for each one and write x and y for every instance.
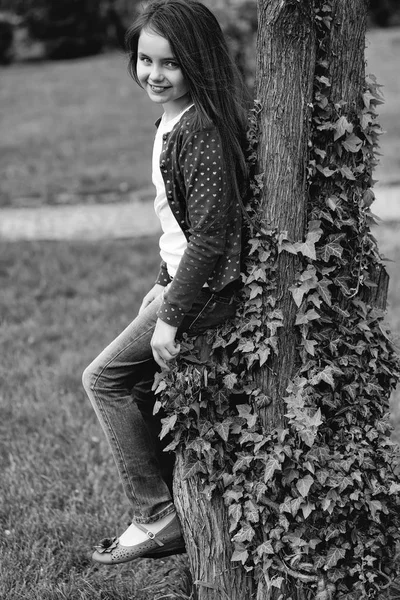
(158, 88)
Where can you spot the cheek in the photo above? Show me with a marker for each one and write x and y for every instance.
(141, 72)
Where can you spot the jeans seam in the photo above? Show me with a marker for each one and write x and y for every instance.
(99, 403)
(201, 312)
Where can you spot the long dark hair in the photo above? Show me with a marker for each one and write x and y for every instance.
(215, 85)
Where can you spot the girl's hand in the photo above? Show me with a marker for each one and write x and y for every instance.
(163, 343)
(155, 291)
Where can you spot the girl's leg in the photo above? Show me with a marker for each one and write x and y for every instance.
(118, 383)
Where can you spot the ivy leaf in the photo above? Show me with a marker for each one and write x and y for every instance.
(223, 429)
(326, 171)
(255, 290)
(303, 485)
(325, 375)
(351, 389)
(235, 514)
(368, 197)
(394, 488)
(234, 495)
(341, 127)
(248, 436)
(375, 506)
(307, 248)
(326, 504)
(320, 152)
(168, 425)
(230, 381)
(370, 98)
(291, 248)
(246, 346)
(245, 534)
(193, 469)
(324, 80)
(272, 465)
(295, 504)
(240, 556)
(251, 512)
(352, 143)
(277, 581)
(265, 548)
(333, 202)
(304, 318)
(242, 462)
(245, 412)
(286, 505)
(325, 294)
(264, 355)
(299, 291)
(347, 173)
(309, 346)
(307, 509)
(333, 556)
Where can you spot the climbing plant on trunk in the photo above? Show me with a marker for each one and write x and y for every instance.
(286, 480)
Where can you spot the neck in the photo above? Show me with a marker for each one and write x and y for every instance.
(173, 110)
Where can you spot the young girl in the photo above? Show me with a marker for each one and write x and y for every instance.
(178, 55)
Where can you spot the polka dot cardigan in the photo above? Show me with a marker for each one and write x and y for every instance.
(196, 186)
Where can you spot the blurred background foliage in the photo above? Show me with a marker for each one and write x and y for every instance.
(65, 29)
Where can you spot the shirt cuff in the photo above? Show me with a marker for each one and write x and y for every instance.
(172, 315)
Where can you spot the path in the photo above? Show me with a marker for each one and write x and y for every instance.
(123, 219)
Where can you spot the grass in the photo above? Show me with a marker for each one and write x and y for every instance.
(77, 129)
(73, 128)
(59, 491)
(82, 130)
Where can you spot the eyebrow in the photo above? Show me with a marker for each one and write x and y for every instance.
(144, 55)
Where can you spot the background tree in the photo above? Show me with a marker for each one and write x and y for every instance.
(68, 28)
(286, 479)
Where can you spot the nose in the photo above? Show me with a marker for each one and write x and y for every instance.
(156, 73)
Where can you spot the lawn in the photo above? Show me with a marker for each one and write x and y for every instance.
(73, 128)
(59, 491)
(82, 130)
(61, 303)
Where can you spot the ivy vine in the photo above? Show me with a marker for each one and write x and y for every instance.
(317, 500)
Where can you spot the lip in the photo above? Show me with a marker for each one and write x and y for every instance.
(158, 89)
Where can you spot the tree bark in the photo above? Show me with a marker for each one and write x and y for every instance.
(287, 52)
(205, 524)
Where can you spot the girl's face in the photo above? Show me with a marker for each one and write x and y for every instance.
(160, 74)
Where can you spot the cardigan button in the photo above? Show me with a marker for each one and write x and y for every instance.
(162, 164)
(165, 137)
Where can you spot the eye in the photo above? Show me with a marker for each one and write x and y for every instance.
(145, 59)
(171, 64)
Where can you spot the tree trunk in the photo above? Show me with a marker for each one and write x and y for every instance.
(288, 58)
(284, 84)
(205, 524)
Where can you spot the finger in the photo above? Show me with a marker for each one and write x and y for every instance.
(168, 352)
(174, 351)
(144, 305)
(159, 360)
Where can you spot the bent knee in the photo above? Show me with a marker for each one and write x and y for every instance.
(89, 378)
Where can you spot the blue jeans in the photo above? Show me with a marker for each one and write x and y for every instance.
(118, 383)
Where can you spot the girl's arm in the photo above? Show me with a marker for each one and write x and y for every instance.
(215, 224)
(155, 291)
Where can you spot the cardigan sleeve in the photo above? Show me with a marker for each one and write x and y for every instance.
(163, 277)
(207, 205)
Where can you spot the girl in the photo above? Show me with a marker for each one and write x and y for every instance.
(178, 55)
